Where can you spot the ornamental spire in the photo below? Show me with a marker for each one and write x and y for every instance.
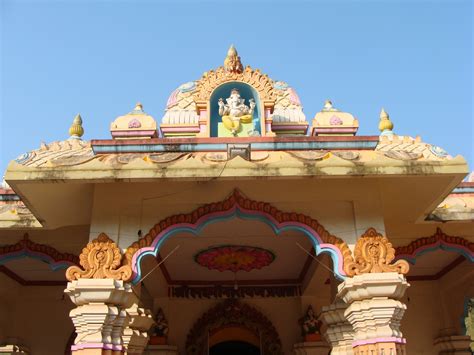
(232, 63)
(76, 131)
(385, 125)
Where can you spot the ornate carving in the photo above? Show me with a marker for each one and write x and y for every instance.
(219, 291)
(101, 259)
(28, 247)
(374, 253)
(233, 312)
(212, 79)
(234, 258)
(236, 199)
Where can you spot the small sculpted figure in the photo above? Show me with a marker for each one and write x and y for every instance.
(310, 325)
(234, 111)
(161, 327)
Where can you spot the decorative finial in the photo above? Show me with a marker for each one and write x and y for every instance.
(232, 63)
(327, 105)
(138, 107)
(385, 125)
(76, 131)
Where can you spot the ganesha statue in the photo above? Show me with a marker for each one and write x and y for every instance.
(234, 111)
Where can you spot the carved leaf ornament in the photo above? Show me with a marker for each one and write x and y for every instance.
(101, 259)
(374, 253)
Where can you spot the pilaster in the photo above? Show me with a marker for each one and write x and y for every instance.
(375, 311)
(339, 332)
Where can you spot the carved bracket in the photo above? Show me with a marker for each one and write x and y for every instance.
(373, 254)
(101, 259)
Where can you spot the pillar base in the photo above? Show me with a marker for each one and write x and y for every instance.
(14, 349)
(380, 346)
(454, 344)
(161, 350)
(311, 348)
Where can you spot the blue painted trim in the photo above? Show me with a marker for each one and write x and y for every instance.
(206, 147)
(9, 197)
(55, 266)
(463, 190)
(465, 253)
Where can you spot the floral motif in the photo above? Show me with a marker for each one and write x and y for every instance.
(101, 259)
(134, 123)
(335, 121)
(234, 258)
(374, 253)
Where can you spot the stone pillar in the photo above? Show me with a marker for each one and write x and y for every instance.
(375, 311)
(138, 322)
(102, 295)
(453, 344)
(100, 314)
(339, 332)
(372, 292)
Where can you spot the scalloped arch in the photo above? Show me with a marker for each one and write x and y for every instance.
(27, 248)
(253, 77)
(439, 240)
(236, 205)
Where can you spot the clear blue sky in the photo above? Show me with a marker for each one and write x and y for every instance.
(99, 57)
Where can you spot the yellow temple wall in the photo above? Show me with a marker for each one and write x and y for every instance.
(346, 210)
(36, 315)
(435, 308)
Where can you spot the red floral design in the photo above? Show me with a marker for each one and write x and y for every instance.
(234, 258)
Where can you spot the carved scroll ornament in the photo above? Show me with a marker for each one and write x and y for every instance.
(101, 259)
(374, 253)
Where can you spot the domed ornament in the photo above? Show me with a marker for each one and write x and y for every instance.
(280, 85)
(438, 151)
(25, 157)
(187, 87)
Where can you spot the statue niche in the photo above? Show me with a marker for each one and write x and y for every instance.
(235, 111)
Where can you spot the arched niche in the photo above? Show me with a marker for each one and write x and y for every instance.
(247, 92)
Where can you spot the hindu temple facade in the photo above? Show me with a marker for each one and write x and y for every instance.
(237, 225)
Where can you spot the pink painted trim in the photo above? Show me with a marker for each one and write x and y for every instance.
(144, 133)
(197, 140)
(180, 129)
(335, 130)
(379, 340)
(277, 127)
(231, 211)
(96, 346)
(437, 244)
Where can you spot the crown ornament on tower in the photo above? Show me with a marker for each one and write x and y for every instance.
(232, 63)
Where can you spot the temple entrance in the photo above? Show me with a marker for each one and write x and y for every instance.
(234, 348)
(233, 327)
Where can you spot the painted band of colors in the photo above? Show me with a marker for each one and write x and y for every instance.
(238, 211)
(26, 253)
(438, 245)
